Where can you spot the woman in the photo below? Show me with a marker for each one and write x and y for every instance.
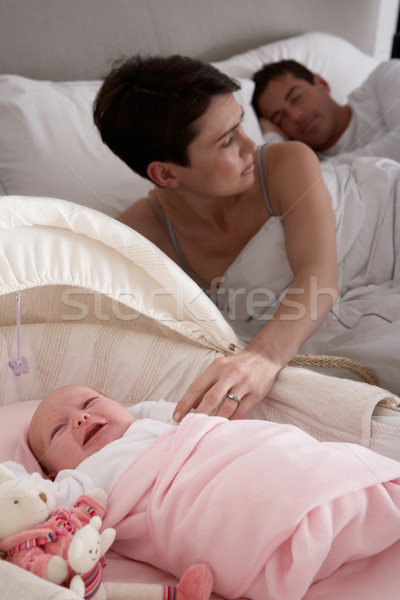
(175, 121)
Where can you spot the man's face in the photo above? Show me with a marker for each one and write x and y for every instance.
(302, 110)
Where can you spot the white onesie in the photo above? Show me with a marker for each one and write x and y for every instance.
(153, 418)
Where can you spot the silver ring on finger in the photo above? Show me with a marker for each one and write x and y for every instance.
(234, 397)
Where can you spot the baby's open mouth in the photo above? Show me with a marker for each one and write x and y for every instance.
(92, 431)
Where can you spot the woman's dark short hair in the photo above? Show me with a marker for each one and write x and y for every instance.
(146, 108)
(276, 70)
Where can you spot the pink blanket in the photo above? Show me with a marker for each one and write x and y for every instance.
(275, 513)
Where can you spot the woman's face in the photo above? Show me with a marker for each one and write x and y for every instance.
(221, 156)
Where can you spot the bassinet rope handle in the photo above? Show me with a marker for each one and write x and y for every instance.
(329, 362)
(335, 362)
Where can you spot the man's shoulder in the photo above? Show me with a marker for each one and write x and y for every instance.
(386, 68)
(385, 77)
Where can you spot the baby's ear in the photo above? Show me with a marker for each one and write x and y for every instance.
(23, 453)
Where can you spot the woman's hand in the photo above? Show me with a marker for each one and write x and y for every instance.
(232, 385)
(247, 376)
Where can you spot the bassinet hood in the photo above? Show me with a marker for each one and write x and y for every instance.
(51, 242)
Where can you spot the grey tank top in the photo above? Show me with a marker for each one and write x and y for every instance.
(167, 226)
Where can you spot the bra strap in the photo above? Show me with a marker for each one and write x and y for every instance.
(262, 179)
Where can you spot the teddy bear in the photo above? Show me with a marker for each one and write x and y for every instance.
(37, 536)
(86, 557)
(33, 533)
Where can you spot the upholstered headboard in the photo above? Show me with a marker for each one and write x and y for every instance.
(77, 39)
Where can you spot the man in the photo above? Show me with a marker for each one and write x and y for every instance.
(294, 103)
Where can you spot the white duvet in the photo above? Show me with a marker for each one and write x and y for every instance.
(365, 322)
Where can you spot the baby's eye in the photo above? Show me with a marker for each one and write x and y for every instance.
(88, 402)
(56, 430)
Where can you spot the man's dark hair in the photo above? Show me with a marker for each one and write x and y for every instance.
(275, 70)
(147, 107)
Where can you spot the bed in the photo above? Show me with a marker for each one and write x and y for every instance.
(68, 266)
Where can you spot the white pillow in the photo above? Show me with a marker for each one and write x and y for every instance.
(50, 147)
(341, 63)
(250, 122)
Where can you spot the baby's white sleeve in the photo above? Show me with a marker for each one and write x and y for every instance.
(69, 485)
(159, 410)
(66, 488)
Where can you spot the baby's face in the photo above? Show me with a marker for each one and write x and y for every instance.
(73, 423)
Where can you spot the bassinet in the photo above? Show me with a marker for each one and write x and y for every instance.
(102, 306)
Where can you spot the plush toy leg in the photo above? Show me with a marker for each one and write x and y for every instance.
(196, 584)
(133, 591)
